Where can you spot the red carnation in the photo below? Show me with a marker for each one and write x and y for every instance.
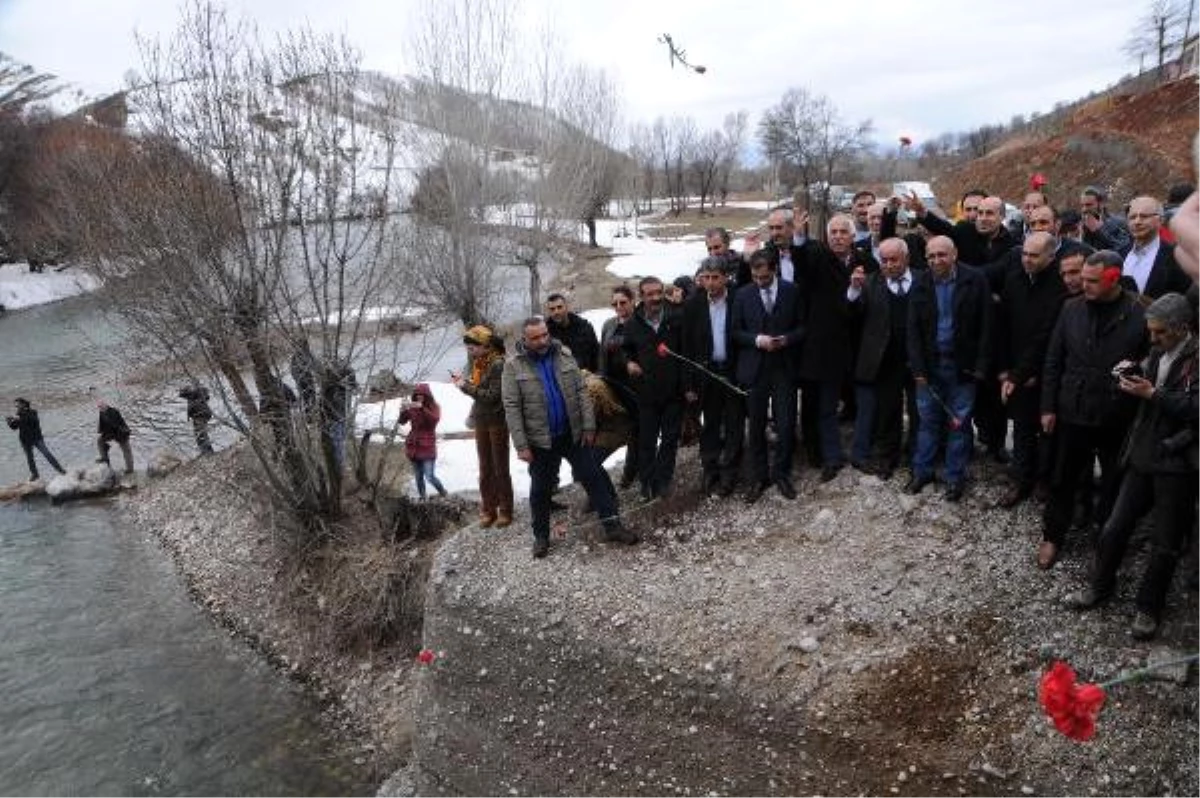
(1037, 181)
(955, 424)
(1073, 707)
(663, 350)
(426, 656)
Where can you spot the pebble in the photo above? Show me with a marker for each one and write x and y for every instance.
(808, 644)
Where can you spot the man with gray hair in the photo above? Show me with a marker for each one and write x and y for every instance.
(1160, 456)
(1151, 262)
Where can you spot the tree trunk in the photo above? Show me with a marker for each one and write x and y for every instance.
(590, 222)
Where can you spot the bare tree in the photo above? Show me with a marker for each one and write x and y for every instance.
(235, 231)
(733, 139)
(673, 145)
(1161, 32)
(705, 165)
(785, 135)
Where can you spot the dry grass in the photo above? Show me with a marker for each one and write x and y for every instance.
(692, 223)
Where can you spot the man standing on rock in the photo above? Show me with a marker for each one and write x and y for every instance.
(199, 413)
(550, 418)
(29, 433)
(112, 427)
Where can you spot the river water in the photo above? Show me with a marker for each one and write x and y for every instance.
(114, 683)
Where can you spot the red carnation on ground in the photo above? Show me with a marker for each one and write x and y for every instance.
(1073, 707)
(663, 350)
(426, 656)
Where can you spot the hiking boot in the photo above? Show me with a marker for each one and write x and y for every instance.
(503, 519)
(619, 533)
(541, 547)
(1085, 599)
(1144, 627)
(486, 520)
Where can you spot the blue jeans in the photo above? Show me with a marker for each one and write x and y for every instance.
(423, 470)
(960, 397)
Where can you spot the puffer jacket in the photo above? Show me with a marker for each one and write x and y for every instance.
(488, 409)
(1163, 437)
(421, 443)
(524, 398)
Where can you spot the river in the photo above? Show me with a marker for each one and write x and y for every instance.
(114, 682)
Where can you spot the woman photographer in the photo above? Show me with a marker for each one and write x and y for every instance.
(423, 414)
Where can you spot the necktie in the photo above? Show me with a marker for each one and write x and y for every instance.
(768, 302)
(898, 284)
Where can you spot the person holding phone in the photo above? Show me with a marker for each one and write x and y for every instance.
(486, 351)
(423, 413)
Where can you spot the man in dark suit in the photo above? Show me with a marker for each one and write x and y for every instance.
(1151, 261)
(768, 328)
(882, 378)
(949, 343)
(708, 340)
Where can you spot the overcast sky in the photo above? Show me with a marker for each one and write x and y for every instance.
(914, 67)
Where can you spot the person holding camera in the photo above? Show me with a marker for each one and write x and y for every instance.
(1082, 404)
(29, 433)
(1161, 456)
(423, 413)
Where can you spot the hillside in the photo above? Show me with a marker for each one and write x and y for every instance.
(1130, 143)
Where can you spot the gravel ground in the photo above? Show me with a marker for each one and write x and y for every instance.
(895, 643)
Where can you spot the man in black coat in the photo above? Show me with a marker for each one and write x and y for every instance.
(1101, 229)
(1160, 456)
(573, 331)
(1151, 261)
(29, 433)
(882, 378)
(708, 340)
(1029, 305)
(112, 427)
(829, 349)
(658, 382)
(1081, 403)
(768, 330)
(949, 346)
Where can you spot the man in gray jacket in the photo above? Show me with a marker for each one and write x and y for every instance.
(550, 418)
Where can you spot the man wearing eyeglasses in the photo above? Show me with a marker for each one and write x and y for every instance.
(1151, 261)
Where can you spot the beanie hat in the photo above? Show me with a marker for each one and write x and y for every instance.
(1171, 309)
(479, 334)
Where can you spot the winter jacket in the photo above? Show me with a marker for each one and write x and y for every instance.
(662, 376)
(973, 248)
(579, 337)
(1029, 307)
(1163, 437)
(488, 410)
(112, 426)
(421, 443)
(524, 398)
(197, 402)
(972, 323)
(29, 429)
(1088, 340)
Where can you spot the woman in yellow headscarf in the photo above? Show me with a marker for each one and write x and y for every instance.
(486, 351)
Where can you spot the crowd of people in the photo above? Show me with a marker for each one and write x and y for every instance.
(1072, 334)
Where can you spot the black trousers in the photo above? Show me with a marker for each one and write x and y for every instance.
(991, 419)
(895, 395)
(659, 421)
(722, 433)
(543, 476)
(773, 394)
(1077, 447)
(1024, 407)
(1171, 498)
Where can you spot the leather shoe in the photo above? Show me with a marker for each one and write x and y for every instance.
(917, 484)
(953, 493)
(999, 454)
(556, 506)
(619, 533)
(1047, 555)
(541, 547)
(725, 488)
(755, 492)
(1085, 598)
(1014, 496)
(786, 489)
(709, 483)
(864, 468)
(829, 472)
(1145, 626)
(486, 520)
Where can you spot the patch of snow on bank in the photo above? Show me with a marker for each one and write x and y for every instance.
(21, 289)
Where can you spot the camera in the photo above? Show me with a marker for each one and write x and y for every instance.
(1127, 370)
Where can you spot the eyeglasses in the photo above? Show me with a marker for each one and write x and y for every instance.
(717, 248)
(616, 303)
(1143, 216)
(774, 227)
